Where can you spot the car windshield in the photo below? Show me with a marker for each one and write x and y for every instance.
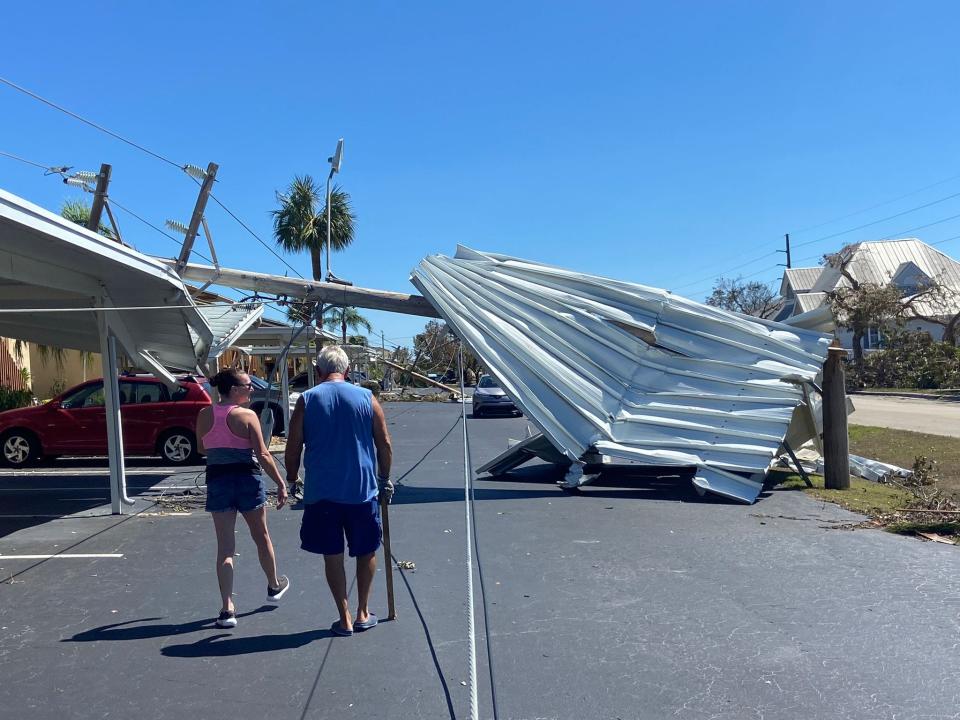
(487, 382)
(258, 383)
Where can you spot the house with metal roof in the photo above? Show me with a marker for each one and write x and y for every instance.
(910, 264)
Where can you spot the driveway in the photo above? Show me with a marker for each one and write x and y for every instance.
(632, 598)
(937, 417)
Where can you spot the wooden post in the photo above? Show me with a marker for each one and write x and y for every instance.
(388, 558)
(836, 449)
(99, 195)
(195, 219)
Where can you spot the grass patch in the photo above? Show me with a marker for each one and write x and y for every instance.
(882, 503)
(864, 497)
(901, 447)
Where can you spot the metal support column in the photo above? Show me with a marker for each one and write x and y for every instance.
(285, 395)
(111, 401)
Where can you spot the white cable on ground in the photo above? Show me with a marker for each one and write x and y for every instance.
(471, 625)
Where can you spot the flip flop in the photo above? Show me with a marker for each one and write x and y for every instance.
(371, 622)
(337, 630)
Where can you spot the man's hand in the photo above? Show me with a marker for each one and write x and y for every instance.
(281, 495)
(386, 489)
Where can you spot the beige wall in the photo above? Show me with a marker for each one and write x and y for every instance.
(45, 372)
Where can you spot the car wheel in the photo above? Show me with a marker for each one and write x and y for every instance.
(19, 448)
(178, 447)
(277, 420)
(475, 412)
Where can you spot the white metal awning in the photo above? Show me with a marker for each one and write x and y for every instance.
(635, 372)
(228, 323)
(51, 269)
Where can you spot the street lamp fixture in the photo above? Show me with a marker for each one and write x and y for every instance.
(334, 161)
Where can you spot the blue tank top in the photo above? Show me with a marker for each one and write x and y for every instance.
(340, 458)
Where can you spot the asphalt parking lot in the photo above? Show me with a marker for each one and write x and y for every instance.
(630, 599)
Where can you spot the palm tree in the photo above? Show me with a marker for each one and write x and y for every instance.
(78, 211)
(346, 317)
(300, 223)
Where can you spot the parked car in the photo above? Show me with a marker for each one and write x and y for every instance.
(155, 421)
(263, 394)
(490, 399)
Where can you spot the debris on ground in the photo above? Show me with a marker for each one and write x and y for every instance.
(406, 565)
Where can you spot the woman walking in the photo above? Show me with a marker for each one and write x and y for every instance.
(231, 438)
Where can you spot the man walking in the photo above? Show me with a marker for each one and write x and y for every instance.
(347, 467)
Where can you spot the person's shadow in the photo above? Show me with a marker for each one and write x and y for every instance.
(219, 645)
(128, 631)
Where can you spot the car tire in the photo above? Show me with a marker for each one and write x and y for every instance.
(475, 413)
(178, 447)
(19, 448)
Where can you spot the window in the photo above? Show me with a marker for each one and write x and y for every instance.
(487, 382)
(873, 339)
(151, 392)
(86, 396)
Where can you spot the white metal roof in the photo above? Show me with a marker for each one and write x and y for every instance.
(47, 262)
(799, 280)
(908, 260)
(228, 323)
(637, 372)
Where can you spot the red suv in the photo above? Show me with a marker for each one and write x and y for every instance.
(155, 421)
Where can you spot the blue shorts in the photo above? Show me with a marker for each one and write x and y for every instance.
(325, 523)
(234, 488)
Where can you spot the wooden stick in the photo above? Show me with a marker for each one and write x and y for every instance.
(388, 558)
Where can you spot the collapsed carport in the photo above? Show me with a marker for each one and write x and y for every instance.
(63, 285)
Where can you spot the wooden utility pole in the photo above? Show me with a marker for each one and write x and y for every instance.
(836, 449)
(99, 196)
(197, 217)
(787, 239)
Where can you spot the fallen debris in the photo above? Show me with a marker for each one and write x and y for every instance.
(629, 372)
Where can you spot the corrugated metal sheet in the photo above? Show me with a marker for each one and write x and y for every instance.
(228, 323)
(636, 372)
(49, 263)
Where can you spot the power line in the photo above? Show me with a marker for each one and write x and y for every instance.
(874, 207)
(49, 168)
(92, 124)
(742, 265)
(877, 222)
(257, 237)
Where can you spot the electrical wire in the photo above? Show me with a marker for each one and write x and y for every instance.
(48, 168)
(92, 124)
(874, 207)
(877, 222)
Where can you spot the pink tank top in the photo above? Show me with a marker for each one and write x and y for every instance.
(220, 435)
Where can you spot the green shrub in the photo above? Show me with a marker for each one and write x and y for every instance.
(912, 360)
(10, 399)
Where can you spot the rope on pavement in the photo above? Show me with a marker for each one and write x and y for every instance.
(472, 548)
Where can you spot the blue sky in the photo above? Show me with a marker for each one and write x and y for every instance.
(660, 143)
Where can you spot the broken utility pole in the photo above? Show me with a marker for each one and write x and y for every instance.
(197, 217)
(836, 450)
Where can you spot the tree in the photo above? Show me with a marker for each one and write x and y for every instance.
(300, 223)
(77, 211)
(346, 317)
(859, 306)
(436, 350)
(750, 298)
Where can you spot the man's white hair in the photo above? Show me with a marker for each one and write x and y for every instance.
(332, 359)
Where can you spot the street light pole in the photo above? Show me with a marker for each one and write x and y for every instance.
(334, 168)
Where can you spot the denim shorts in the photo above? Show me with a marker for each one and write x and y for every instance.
(325, 523)
(234, 487)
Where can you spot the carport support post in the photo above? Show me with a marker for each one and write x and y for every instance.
(836, 449)
(285, 393)
(111, 401)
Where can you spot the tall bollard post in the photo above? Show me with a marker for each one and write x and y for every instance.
(836, 448)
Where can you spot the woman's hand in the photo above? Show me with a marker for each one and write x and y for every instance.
(281, 494)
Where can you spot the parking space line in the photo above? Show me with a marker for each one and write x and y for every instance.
(80, 487)
(67, 556)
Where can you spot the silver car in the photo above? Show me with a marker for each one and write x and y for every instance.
(490, 399)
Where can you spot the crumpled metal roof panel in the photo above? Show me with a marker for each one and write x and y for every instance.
(637, 372)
